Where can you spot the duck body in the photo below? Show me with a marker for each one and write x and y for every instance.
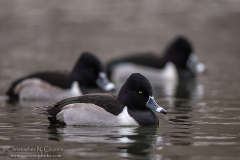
(103, 109)
(152, 66)
(44, 86)
(126, 109)
(177, 63)
(86, 75)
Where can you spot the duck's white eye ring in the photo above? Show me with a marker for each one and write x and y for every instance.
(140, 92)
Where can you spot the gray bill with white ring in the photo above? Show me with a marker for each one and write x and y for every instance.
(151, 103)
(103, 82)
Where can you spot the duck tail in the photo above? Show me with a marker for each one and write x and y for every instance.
(42, 111)
(50, 111)
(45, 110)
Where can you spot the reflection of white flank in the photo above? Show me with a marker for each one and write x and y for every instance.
(125, 140)
(97, 134)
(199, 91)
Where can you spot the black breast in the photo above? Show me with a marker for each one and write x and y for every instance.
(144, 117)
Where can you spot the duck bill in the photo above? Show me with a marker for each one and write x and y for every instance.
(152, 104)
(103, 82)
(194, 65)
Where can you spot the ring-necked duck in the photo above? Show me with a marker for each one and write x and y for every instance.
(87, 76)
(178, 62)
(134, 105)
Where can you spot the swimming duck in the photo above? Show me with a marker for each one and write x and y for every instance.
(87, 76)
(134, 105)
(178, 62)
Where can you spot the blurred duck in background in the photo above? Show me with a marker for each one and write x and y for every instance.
(87, 76)
(177, 63)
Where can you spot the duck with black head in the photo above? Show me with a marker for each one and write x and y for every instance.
(133, 106)
(87, 76)
(177, 63)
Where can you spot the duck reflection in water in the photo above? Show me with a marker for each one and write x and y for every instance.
(181, 104)
(125, 141)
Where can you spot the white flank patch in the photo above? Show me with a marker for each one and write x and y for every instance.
(86, 114)
(125, 119)
(75, 89)
(38, 90)
(121, 72)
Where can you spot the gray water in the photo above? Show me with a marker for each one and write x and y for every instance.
(203, 120)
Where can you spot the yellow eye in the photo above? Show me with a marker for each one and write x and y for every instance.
(140, 92)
